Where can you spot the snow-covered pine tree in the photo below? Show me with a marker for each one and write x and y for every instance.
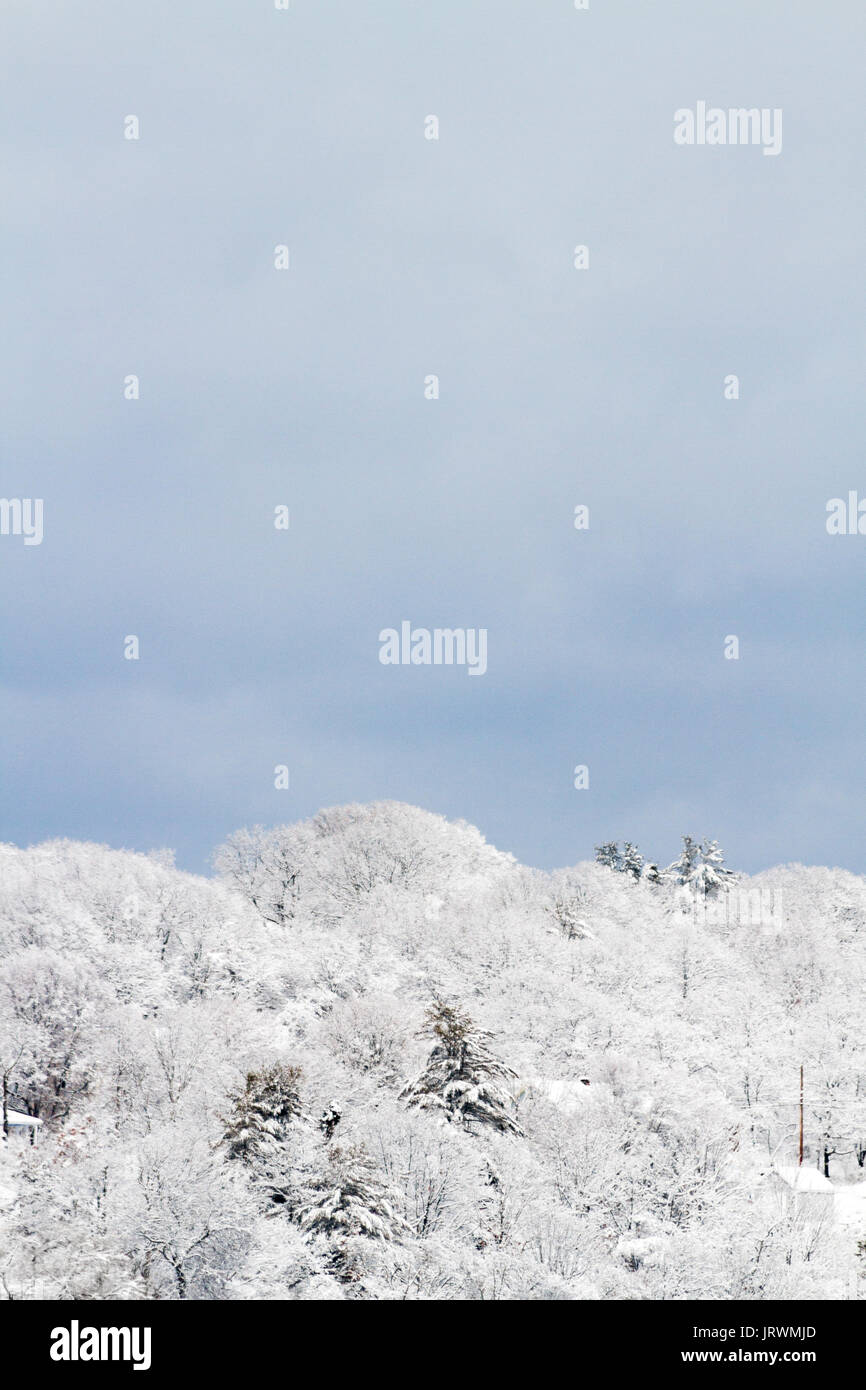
(350, 1198)
(608, 854)
(463, 1080)
(683, 869)
(258, 1126)
(632, 860)
(328, 1121)
(651, 874)
(711, 874)
(700, 867)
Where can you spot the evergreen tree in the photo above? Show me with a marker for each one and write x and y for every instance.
(462, 1079)
(711, 875)
(349, 1198)
(682, 870)
(700, 867)
(651, 874)
(258, 1126)
(608, 854)
(632, 860)
(328, 1121)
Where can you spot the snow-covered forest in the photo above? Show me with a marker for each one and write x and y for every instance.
(375, 1058)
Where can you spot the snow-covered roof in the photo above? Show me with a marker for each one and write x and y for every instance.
(567, 1093)
(14, 1117)
(805, 1179)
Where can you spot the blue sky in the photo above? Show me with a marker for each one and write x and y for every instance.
(558, 387)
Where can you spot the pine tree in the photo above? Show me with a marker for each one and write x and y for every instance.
(711, 875)
(608, 854)
(700, 867)
(328, 1121)
(349, 1198)
(632, 860)
(651, 874)
(462, 1079)
(258, 1126)
(683, 869)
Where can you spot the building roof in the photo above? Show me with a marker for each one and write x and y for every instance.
(804, 1179)
(14, 1117)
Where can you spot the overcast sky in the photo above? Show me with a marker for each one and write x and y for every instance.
(558, 387)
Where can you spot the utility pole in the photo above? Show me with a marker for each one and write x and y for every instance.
(801, 1115)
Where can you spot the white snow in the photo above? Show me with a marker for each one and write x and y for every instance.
(851, 1207)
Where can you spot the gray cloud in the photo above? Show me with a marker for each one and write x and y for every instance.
(454, 257)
